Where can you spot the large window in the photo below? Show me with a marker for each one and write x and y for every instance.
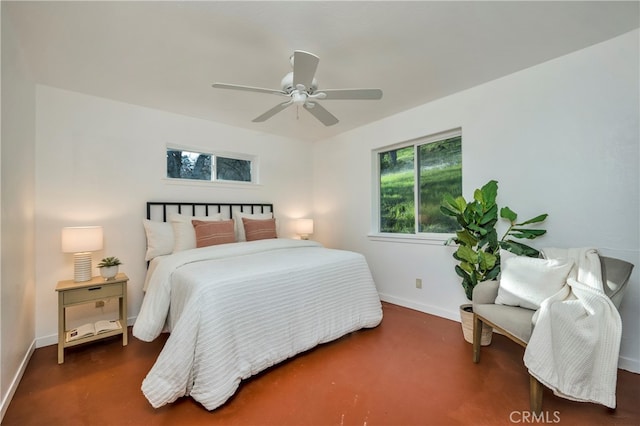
(183, 164)
(412, 181)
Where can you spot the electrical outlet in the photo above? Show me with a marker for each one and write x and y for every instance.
(418, 283)
(100, 304)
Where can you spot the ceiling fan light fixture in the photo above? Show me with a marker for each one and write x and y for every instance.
(298, 97)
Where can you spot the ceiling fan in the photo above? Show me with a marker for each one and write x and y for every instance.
(301, 88)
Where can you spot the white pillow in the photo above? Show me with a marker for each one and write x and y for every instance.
(239, 226)
(159, 238)
(527, 281)
(183, 232)
(504, 256)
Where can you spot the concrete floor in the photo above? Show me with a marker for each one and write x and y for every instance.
(413, 369)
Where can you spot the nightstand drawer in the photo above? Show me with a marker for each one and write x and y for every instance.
(91, 293)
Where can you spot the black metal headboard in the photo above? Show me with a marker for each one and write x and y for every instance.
(159, 210)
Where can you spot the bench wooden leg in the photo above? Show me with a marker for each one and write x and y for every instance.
(477, 336)
(535, 395)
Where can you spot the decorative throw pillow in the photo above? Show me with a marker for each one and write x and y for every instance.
(504, 256)
(527, 281)
(239, 225)
(256, 229)
(183, 232)
(159, 238)
(210, 233)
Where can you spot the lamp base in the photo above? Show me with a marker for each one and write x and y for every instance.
(82, 267)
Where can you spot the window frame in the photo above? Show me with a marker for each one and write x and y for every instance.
(375, 233)
(253, 159)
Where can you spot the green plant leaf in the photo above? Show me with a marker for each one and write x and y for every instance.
(493, 273)
(461, 272)
(447, 211)
(449, 206)
(478, 196)
(465, 237)
(109, 261)
(486, 261)
(519, 248)
(450, 241)
(460, 203)
(489, 215)
(456, 205)
(508, 214)
(467, 255)
(468, 289)
(490, 192)
(528, 234)
(536, 219)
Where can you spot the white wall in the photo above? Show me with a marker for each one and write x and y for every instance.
(17, 290)
(561, 138)
(99, 161)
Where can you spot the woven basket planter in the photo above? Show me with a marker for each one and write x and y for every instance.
(466, 316)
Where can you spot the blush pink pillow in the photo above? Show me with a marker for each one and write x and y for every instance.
(255, 229)
(211, 233)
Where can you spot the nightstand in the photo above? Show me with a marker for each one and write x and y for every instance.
(71, 293)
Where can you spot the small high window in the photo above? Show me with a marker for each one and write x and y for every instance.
(202, 166)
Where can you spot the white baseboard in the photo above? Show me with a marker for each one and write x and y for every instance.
(16, 380)
(47, 341)
(629, 364)
(52, 339)
(427, 309)
(624, 363)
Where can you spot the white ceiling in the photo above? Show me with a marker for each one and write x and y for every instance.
(165, 55)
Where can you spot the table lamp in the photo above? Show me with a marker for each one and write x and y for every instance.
(81, 241)
(304, 227)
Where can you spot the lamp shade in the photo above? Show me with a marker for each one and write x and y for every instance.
(81, 239)
(304, 226)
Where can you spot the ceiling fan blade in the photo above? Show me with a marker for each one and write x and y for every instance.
(365, 94)
(247, 88)
(304, 68)
(273, 111)
(321, 114)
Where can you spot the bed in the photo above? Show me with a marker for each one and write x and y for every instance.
(234, 309)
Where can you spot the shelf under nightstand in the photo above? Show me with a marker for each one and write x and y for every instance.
(71, 293)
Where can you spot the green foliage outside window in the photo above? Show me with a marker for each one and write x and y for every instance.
(188, 165)
(440, 165)
(233, 169)
(397, 206)
(440, 174)
(202, 166)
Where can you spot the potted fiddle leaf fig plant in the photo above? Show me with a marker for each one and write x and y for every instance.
(109, 267)
(478, 252)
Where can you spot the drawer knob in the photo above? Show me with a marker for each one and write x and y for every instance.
(95, 288)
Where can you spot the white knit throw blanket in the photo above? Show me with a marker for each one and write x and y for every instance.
(575, 344)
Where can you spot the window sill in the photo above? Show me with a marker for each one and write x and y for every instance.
(220, 184)
(430, 239)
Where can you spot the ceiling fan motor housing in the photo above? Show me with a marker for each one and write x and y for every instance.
(288, 87)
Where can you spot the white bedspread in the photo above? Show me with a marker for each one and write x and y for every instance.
(237, 309)
(574, 346)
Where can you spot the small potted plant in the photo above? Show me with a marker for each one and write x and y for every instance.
(478, 250)
(109, 267)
